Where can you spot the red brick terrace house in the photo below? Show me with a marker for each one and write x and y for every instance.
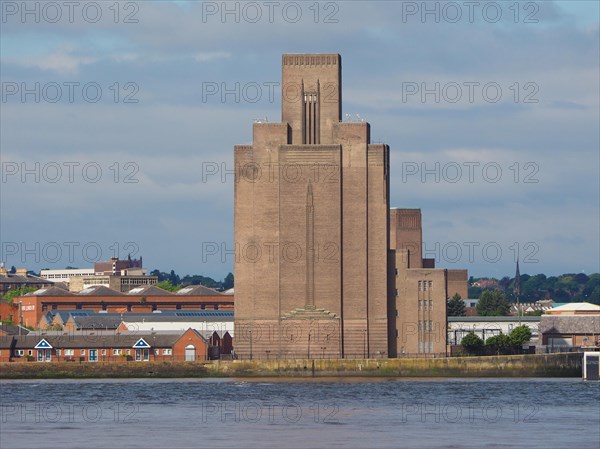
(104, 347)
(101, 298)
(9, 311)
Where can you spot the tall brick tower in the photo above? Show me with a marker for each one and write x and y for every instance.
(311, 226)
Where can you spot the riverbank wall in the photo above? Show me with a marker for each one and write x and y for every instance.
(530, 365)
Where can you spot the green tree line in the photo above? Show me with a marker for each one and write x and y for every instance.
(564, 288)
(172, 281)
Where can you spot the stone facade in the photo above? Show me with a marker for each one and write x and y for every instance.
(418, 290)
(319, 270)
(311, 217)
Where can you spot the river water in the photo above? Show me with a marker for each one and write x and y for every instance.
(289, 414)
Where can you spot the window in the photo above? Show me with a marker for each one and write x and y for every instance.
(69, 352)
(19, 352)
(128, 352)
(167, 352)
(30, 352)
(430, 304)
(58, 352)
(116, 352)
(82, 352)
(419, 285)
(103, 352)
(156, 351)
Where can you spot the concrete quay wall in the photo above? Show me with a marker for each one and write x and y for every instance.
(531, 365)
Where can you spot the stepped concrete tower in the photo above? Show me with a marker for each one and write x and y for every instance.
(311, 226)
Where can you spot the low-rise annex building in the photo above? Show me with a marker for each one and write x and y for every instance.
(216, 326)
(418, 291)
(569, 326)
(488, 326)
(574, 308)
(66, 275)
(188, 345)
(101, 298)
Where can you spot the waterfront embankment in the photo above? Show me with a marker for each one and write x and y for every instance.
(531, 365)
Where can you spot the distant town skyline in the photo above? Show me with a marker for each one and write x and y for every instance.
(116, 135)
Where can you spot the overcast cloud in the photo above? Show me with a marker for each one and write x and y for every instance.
(512, 155)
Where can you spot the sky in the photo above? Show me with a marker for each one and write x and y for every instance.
(118, 121)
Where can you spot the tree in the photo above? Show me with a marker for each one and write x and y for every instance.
(228, 282)
(166, 285)
(519, 336)
(174, 278)
(474, 292)
(493, 303)
(472, 343)
(504, 283)
(455, 306)
(9, 296)
(499, 343)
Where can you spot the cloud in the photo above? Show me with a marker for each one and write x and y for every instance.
(206, 57)
(61, 62)
(172, 130)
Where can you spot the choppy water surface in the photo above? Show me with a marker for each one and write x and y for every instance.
(399, 413)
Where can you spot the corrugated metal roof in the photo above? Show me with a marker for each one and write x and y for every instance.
(577, 306)
(149, 290)
(197, 290)
(100, 290)
(50, 291)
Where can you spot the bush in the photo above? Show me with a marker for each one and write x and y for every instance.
(519, 336)
(499, 343)
(471, 343)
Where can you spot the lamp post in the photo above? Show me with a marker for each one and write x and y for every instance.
(20, 316)
(250, 343)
